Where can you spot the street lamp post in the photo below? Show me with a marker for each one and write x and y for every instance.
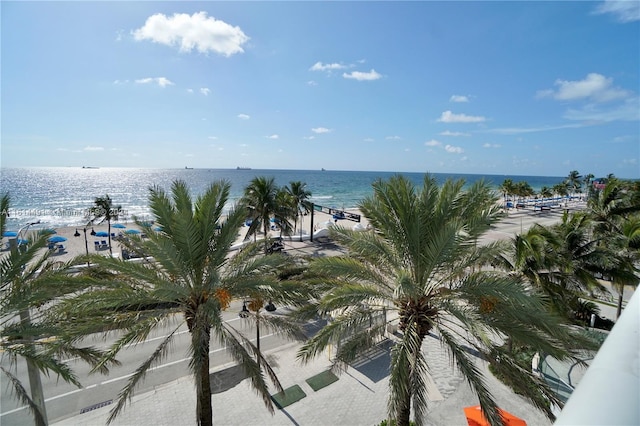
(244, 313)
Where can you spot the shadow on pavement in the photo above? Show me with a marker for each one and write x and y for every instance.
(375, 362)
(222, 381)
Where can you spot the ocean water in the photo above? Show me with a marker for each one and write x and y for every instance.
(61, 196)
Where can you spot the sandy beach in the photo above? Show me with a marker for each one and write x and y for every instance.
(98, 244)
(515, 222)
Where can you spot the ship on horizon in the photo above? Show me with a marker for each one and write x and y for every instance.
(243, 168)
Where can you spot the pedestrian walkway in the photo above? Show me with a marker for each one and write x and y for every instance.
(358, 397)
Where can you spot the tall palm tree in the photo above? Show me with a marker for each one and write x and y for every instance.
(615, 211)
(419, 264)
(261, 199)
(192, 277)
(586, 180)
(300, 196)
(561, 261)
(29, 282)
(574, 182)
(507, 188)
(103, 210)
(5, 204)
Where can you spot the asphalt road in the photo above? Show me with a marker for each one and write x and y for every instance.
(63, 399)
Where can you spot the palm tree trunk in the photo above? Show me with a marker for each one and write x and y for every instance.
(35, 383)
(204, 410)
(620, 298)
(109, 236)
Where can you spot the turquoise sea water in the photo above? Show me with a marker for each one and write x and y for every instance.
(60, 196)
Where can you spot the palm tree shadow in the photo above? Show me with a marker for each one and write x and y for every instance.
(375, 362)
(222, 381)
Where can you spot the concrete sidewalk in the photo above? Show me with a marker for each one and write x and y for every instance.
(359, 397)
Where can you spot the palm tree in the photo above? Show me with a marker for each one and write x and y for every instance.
(560, 261)
(300, 196)
(5, 204)
(28, 282)
(507, 188)
(419, 264)
(573, 181)
(586, 179)
(615, 211)
(261, 199)
(104, 210)
(546, 192)
(561, 189)
(194, 278)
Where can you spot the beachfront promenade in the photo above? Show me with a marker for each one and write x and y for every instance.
(358, 398)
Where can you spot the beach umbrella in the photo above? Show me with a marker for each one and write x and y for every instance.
(475, 417)
(10, 234)
(57, 239)
(146, 223)
(131, 231)
(21, 242)
(102, 234)
(158, 229)
(118, 225)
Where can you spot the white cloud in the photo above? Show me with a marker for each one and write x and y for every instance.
(594, 87)
(118, 82)
(319, 66)
(205, 91)
(453, 149)
(243, 116)
(368, 139)
(311, 83)
(450, 133)
(449, 117)
(458, 98)
(491, 145)
(309, 138)
(212, 137)
(161, 81)
(518, 130)
(93, 148)
(189, 90)
(433, 142)
(624, 11)
(629, 110)
(393, 138)
(197, 31)
(320, 130)
(273, 137)
(363, 76)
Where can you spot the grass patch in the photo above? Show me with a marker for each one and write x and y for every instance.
(321, 380)
(288, 396)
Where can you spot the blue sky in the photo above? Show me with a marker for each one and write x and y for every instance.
(524, 88)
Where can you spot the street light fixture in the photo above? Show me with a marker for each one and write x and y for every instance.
(244, 313)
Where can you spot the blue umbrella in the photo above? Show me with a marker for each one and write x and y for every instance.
(158, 229)
(131, 231)
(57, 239)
(10, 234)
(118, 225)
(22, 242)
(102, 234)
